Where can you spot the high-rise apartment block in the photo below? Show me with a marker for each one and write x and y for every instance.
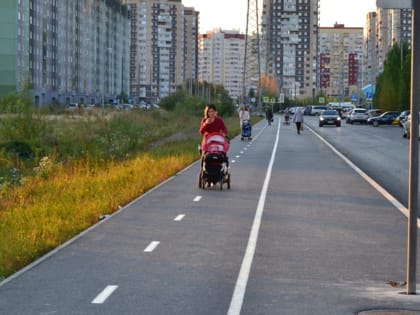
(383, 29)
(290, 33)
(221, 56)
(340, 56)
(163, 47)
(66, 51)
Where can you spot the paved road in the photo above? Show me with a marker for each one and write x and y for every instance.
(287, 238)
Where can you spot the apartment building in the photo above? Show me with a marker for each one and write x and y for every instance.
(221, 60)
(67, 51)
(290, 34)
(340, 60)
(191, 33)
(163, 47)
(383, 29)
(370, 68)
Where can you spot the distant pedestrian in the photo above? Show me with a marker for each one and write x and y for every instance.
(243, 115)
(298, 119)
(269, 115)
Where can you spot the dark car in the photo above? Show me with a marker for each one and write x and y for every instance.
(387, 118)
(329, 117)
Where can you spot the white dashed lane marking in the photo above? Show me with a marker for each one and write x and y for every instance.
(104, 295)
(179, 217)
(197, 198)
(152, 246)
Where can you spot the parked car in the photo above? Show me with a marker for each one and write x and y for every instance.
(315, 110)
(73, 106)
(406, 127)
(387, 118)
(127, 106)
(329, 117)
(374, 112)
(359, 115)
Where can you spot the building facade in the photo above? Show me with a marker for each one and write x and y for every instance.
(383, 29)
(221, 60)
(66, 51)
(290, 35)
(340, 60)
(163, 47)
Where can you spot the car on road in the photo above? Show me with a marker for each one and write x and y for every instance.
(359, 115)
(315, 110)
(329, 117)
(374, 112)
(387, 118)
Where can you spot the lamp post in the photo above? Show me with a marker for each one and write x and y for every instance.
(414, 131)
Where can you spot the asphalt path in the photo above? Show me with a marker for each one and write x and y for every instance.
(299, 232)
(381, 152)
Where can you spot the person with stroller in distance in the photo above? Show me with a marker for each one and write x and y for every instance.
(298, 119)
(243, 115)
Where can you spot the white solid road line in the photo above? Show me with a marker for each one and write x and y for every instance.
(241, 283)
(367, 178)
(104, 295)
(151, 247)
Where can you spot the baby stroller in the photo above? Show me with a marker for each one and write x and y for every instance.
(246, 130)
(286, 118)
(214, 161)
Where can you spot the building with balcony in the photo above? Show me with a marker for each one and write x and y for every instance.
(290, 39)
(65, 51)
(163, 50)
(221, 60)
(340, 60)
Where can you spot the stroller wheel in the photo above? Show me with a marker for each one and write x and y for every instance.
(200, 182)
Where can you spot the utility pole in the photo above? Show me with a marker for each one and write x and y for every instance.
(252, 61)
(413, 187)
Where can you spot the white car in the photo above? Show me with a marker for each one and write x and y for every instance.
(359, 115)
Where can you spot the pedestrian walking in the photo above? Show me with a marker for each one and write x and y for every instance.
(269, 115)
(298, 119)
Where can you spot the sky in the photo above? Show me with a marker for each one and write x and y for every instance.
(231, 14)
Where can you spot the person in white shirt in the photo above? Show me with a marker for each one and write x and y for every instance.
(243, 115)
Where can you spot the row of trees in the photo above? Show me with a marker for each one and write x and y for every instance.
(393, 84)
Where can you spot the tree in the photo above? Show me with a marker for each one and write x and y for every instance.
(393, 84)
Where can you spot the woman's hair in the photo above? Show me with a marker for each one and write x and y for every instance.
(209, 106)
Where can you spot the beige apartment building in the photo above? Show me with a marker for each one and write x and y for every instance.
(221, 60)
(163, 40)
(340, 60)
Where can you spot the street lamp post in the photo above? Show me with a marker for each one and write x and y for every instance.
(414, 131)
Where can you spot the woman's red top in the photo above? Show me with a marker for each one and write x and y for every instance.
(216, 126)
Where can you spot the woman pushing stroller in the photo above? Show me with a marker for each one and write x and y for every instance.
(212, 123)
(213, 150)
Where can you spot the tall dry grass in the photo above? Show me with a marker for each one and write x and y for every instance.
(46, 212)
